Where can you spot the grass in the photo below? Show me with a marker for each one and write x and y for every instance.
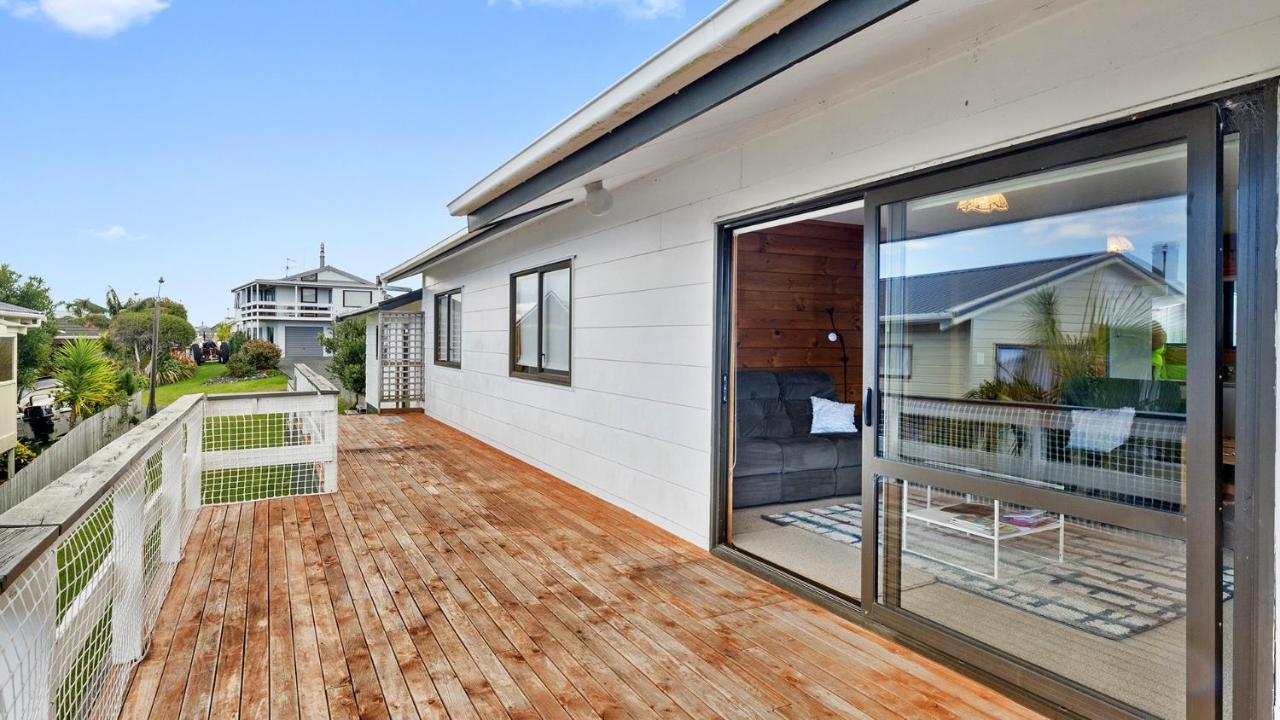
(166, 394)
(252, 483)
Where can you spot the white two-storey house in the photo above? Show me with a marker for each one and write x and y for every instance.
(294, 311)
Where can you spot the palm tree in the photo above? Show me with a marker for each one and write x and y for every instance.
(87, 376)
(1070, 350)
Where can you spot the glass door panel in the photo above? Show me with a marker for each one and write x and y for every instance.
(1035, 330)
(1031, 466)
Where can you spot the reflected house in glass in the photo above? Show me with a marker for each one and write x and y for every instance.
(993, 312)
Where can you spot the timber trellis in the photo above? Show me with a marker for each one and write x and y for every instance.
(86, 562)
(88, 437)
(402, 357)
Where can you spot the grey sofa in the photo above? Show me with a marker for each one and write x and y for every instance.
(777, 459)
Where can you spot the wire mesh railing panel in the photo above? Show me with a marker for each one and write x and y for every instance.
(1129, 457)
(264, 447)
(86, 563)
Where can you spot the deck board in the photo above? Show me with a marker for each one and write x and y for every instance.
(447, 579)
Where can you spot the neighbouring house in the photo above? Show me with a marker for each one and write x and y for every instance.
(295, 310)
(70, 328)
(14, 321)
(972, 326)
(772, 290)
(394, 369)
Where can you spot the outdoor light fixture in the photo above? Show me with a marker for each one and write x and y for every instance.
(599, 200)
(984, 204)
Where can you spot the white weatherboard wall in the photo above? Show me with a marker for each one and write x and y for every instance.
(635, 428)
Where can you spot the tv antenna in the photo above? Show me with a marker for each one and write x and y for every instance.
(287, 263)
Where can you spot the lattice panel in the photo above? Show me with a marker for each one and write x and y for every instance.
(402, 355)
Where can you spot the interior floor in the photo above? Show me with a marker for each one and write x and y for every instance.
(1146, 668)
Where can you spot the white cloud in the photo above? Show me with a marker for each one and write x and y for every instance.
(95, 18)
(115, 232)
(635, 9)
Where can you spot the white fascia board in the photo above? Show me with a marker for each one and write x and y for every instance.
(406, 268)
(730, 30)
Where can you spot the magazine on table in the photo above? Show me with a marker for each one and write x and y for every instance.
(981, 517)
(978, 517)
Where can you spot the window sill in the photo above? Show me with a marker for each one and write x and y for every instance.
(563, 381)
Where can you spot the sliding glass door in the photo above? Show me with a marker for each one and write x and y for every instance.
(1043, 337)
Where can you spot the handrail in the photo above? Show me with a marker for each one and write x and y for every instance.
(66, 499)
(86, 562)
(305, 375)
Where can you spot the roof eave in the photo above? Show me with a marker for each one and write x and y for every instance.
(730, 30)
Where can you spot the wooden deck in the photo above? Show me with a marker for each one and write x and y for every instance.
(448, 579)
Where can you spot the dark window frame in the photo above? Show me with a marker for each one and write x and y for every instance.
(356, 290)
(1026, 348)
(315, 295)
(446, 361)
(539, 373)
(902, 347)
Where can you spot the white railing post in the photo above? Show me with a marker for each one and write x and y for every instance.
(191, 462)
(172, 507)
(28, 622)
(126, 555)
(330, 439)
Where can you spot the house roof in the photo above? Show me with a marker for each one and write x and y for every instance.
(11, 310)
(326, 268)
(296, 279)
(949, 295)
(69, 327)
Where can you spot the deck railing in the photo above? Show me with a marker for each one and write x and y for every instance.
(88, 437)
(86, 562)
(1032, 443)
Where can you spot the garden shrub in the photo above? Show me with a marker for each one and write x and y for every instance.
(174, 367)
(253, 357)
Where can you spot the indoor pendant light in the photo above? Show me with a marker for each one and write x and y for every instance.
(996, 202)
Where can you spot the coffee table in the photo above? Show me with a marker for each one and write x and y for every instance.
(959, 517)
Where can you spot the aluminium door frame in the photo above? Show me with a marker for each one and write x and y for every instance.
(1199, 526)
(1253, 632)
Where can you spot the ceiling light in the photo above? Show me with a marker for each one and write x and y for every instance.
(1119, 244)
(984, 204)
(599, 200)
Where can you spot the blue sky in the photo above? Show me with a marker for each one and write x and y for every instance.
(209, 141)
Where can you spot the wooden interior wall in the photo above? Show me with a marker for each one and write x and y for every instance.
(787, 276)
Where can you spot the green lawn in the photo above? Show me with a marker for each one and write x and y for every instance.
(166, 394)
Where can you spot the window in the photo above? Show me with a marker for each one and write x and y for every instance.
(267, 294)
(8, 362)
(895, 361)
(541, 306)
(308, 294)
(1022, 361)
(309, 278)
(357, 298)
(449, 328)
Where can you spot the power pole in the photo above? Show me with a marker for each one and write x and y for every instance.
(155, 349)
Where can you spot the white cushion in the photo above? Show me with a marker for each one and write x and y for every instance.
(830, 416)
(1100, 430)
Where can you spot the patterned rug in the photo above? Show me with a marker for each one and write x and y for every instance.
(1109, 585)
